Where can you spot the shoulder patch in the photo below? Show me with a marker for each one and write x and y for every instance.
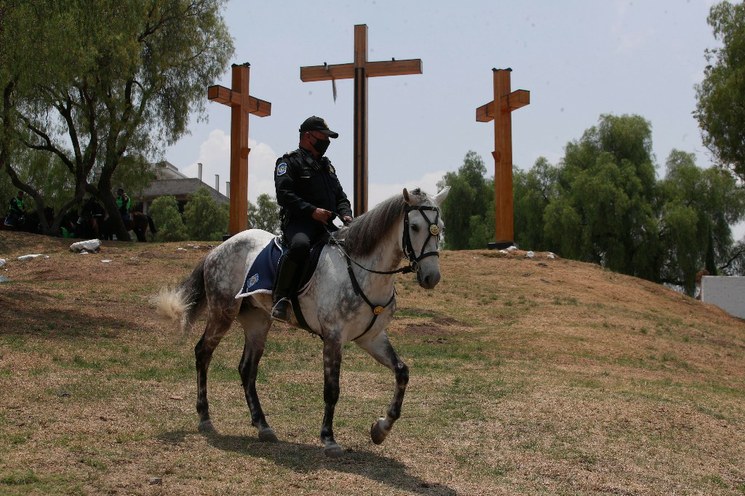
(331, 169)
(282, 169)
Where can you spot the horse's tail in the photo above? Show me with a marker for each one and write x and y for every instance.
(185, 302)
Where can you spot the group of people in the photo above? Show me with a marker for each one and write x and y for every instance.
(91, 211)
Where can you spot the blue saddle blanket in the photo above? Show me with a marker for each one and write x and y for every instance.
(263, 271)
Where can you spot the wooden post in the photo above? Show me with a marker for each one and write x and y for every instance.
(500, 110)
(242, 104)
(360, 70)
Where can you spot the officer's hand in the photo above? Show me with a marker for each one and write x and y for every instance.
(322, 215)
(346, 220)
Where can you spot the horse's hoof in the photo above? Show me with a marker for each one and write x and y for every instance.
(377, 432)
(267, 435)
(206, 427)
(333, 450)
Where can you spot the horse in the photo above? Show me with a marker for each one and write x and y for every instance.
(137, 222)
(350, 297)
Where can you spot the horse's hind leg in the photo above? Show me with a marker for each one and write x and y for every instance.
(216, 328)
(380, 349)
(256, 324)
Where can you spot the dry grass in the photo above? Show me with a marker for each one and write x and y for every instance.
(528, 376)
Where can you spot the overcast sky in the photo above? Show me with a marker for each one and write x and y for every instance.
(578, 58)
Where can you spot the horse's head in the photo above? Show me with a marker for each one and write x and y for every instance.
(422, 228)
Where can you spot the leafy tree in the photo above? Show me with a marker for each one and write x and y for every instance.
(699, 206)
(265, 214)
(103, 86)
(605, 211)
(165, 214)
(533, 191)
(469, 207)
(721, 94)
(205, 220)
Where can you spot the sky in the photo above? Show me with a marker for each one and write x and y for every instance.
(579, 59)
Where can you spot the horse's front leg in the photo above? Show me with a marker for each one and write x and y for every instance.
(331, 369)
(379, 347)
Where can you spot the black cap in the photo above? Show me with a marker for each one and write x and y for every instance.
(314, 123)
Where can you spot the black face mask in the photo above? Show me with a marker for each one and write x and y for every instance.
(321, 146)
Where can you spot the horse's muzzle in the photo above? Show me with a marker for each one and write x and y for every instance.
(428, 280)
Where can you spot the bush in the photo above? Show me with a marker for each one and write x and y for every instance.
(165, 214)
(205, 220)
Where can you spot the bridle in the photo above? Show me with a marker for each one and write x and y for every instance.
(409, 251)
(434, 231)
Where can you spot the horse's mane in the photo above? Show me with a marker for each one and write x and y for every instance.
(365, 232)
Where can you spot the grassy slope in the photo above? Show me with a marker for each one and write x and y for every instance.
(528, 376)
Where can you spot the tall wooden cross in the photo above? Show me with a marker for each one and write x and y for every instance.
(242, 104)
(360, 70)
(500, 110)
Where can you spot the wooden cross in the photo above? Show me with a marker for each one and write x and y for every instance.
(360, 70)
(242, 104)
(500, 110)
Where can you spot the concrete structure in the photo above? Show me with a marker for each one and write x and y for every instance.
(728, 293)
(169, 181)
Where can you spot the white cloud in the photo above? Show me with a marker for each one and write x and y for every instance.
(214, 155)
(377, 192)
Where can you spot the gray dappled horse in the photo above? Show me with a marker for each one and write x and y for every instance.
(350, 297)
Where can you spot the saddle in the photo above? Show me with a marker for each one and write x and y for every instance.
(261, 275)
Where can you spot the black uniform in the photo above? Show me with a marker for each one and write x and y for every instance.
(304, 184)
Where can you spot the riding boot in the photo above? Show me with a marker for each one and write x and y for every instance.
(284, 288)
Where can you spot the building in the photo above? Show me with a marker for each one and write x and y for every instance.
(169, 181)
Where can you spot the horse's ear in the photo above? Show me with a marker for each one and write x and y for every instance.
(406, 197)
(440, 197)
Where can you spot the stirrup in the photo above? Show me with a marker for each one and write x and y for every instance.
(282, 309)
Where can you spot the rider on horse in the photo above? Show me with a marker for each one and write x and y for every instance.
(310, 196)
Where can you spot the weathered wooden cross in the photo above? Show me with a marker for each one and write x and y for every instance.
(500, 110)
(242, 104)
(360, 70)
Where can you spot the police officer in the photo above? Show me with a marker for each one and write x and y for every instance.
(310, 197)
(17, 211)
(124, 204)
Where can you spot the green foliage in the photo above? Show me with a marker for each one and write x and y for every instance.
(720, 94)
(165, 214)
(603, 204)
(469, 207)
(103, 86)
(699, 205)
(607, 186)
(205, 220)
(265, 214)
(533, 191)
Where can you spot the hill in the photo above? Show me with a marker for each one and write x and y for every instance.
(528, 375)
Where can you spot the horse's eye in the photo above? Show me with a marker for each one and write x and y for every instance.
(415, 228)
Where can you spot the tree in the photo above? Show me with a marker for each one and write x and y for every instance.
(165, 214)
(533, 191)
(699, 206)
(114, 83)
(469, 207)
(265, 214)
(605, 207)
(205, 220)
(721, 94)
